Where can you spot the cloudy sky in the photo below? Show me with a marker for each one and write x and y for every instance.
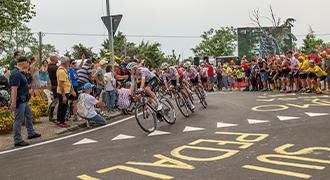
(169, 18)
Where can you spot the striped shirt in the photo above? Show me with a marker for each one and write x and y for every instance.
(83, 75)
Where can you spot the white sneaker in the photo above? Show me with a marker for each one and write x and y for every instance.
(159, 107)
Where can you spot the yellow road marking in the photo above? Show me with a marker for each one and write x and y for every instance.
(244, 145)
(277, 171)
(281, 150)
(135, 170)
(242, 136)
(162, 163)
(228, 153)
(86, 177)
(264, 158)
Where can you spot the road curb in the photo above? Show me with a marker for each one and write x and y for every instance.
(83, 124)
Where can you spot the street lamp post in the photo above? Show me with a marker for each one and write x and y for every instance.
(110, 34)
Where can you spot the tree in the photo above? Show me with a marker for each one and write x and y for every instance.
(120, 45)
(276, 39)
(47, 50)
(173, 58)
(19, 39)
(14, 13)
(151, 53)
(221, 42)
(311, 43)
(79, 49)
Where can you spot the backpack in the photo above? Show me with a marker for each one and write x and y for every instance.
(81, 108)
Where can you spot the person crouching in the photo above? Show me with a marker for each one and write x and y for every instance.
(89, 102)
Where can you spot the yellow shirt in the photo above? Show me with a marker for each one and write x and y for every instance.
(317, 70)
(229, 70)
(304, 66)
(62, 76)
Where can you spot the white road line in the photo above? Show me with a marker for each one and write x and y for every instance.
(66, 137)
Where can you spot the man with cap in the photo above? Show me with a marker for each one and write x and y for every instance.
(20, 102)
(90, 102)
(64, 89)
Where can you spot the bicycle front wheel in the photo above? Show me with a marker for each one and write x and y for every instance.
(201, 97)
(145, 118)
(180, 102)
(168, 111)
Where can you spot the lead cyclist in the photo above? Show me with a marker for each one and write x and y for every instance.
(149, 82)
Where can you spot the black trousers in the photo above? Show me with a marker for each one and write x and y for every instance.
(62, 108)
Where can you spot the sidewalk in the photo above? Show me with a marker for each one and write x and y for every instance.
(48, 130)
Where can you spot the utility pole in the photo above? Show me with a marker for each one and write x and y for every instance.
(110, 34)
(40, 46)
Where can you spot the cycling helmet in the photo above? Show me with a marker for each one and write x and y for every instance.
(186, 65)
(131, 65)
(164, 66)
(311, 62)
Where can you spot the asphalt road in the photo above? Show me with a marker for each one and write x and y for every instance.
(239, 136)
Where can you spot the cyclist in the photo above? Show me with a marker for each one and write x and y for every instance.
(193, 76)
(172, 74)
(149, 81)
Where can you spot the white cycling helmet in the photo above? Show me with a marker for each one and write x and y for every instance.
(131, 65)
(187, 65)
(164, 66)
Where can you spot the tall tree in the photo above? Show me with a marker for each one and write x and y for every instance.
(220, 42)
(19, 39)
(151, 53)
(14, 13)
(311, 43)
(79, 49)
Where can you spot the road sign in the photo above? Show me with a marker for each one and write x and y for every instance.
(115, 22)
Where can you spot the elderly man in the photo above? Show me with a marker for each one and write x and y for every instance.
(64, 89)
(20, 98)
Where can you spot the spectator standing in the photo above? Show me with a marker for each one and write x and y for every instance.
(85, 73)
(211, 78)
(13, 63)
(43, 75)
(314, 57)
(52, 69)
(326, 68)
(99, 77)
(122, 75)
(110, 89)
(247, 73)
(73, 75)
(64, 89)
(219, 72)
(34, 71)
(20, 98)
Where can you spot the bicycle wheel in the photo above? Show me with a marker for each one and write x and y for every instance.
(51, 110)
(145, 118)
(168, 111)
(181, 104)
(201, 97)
(191, 98)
